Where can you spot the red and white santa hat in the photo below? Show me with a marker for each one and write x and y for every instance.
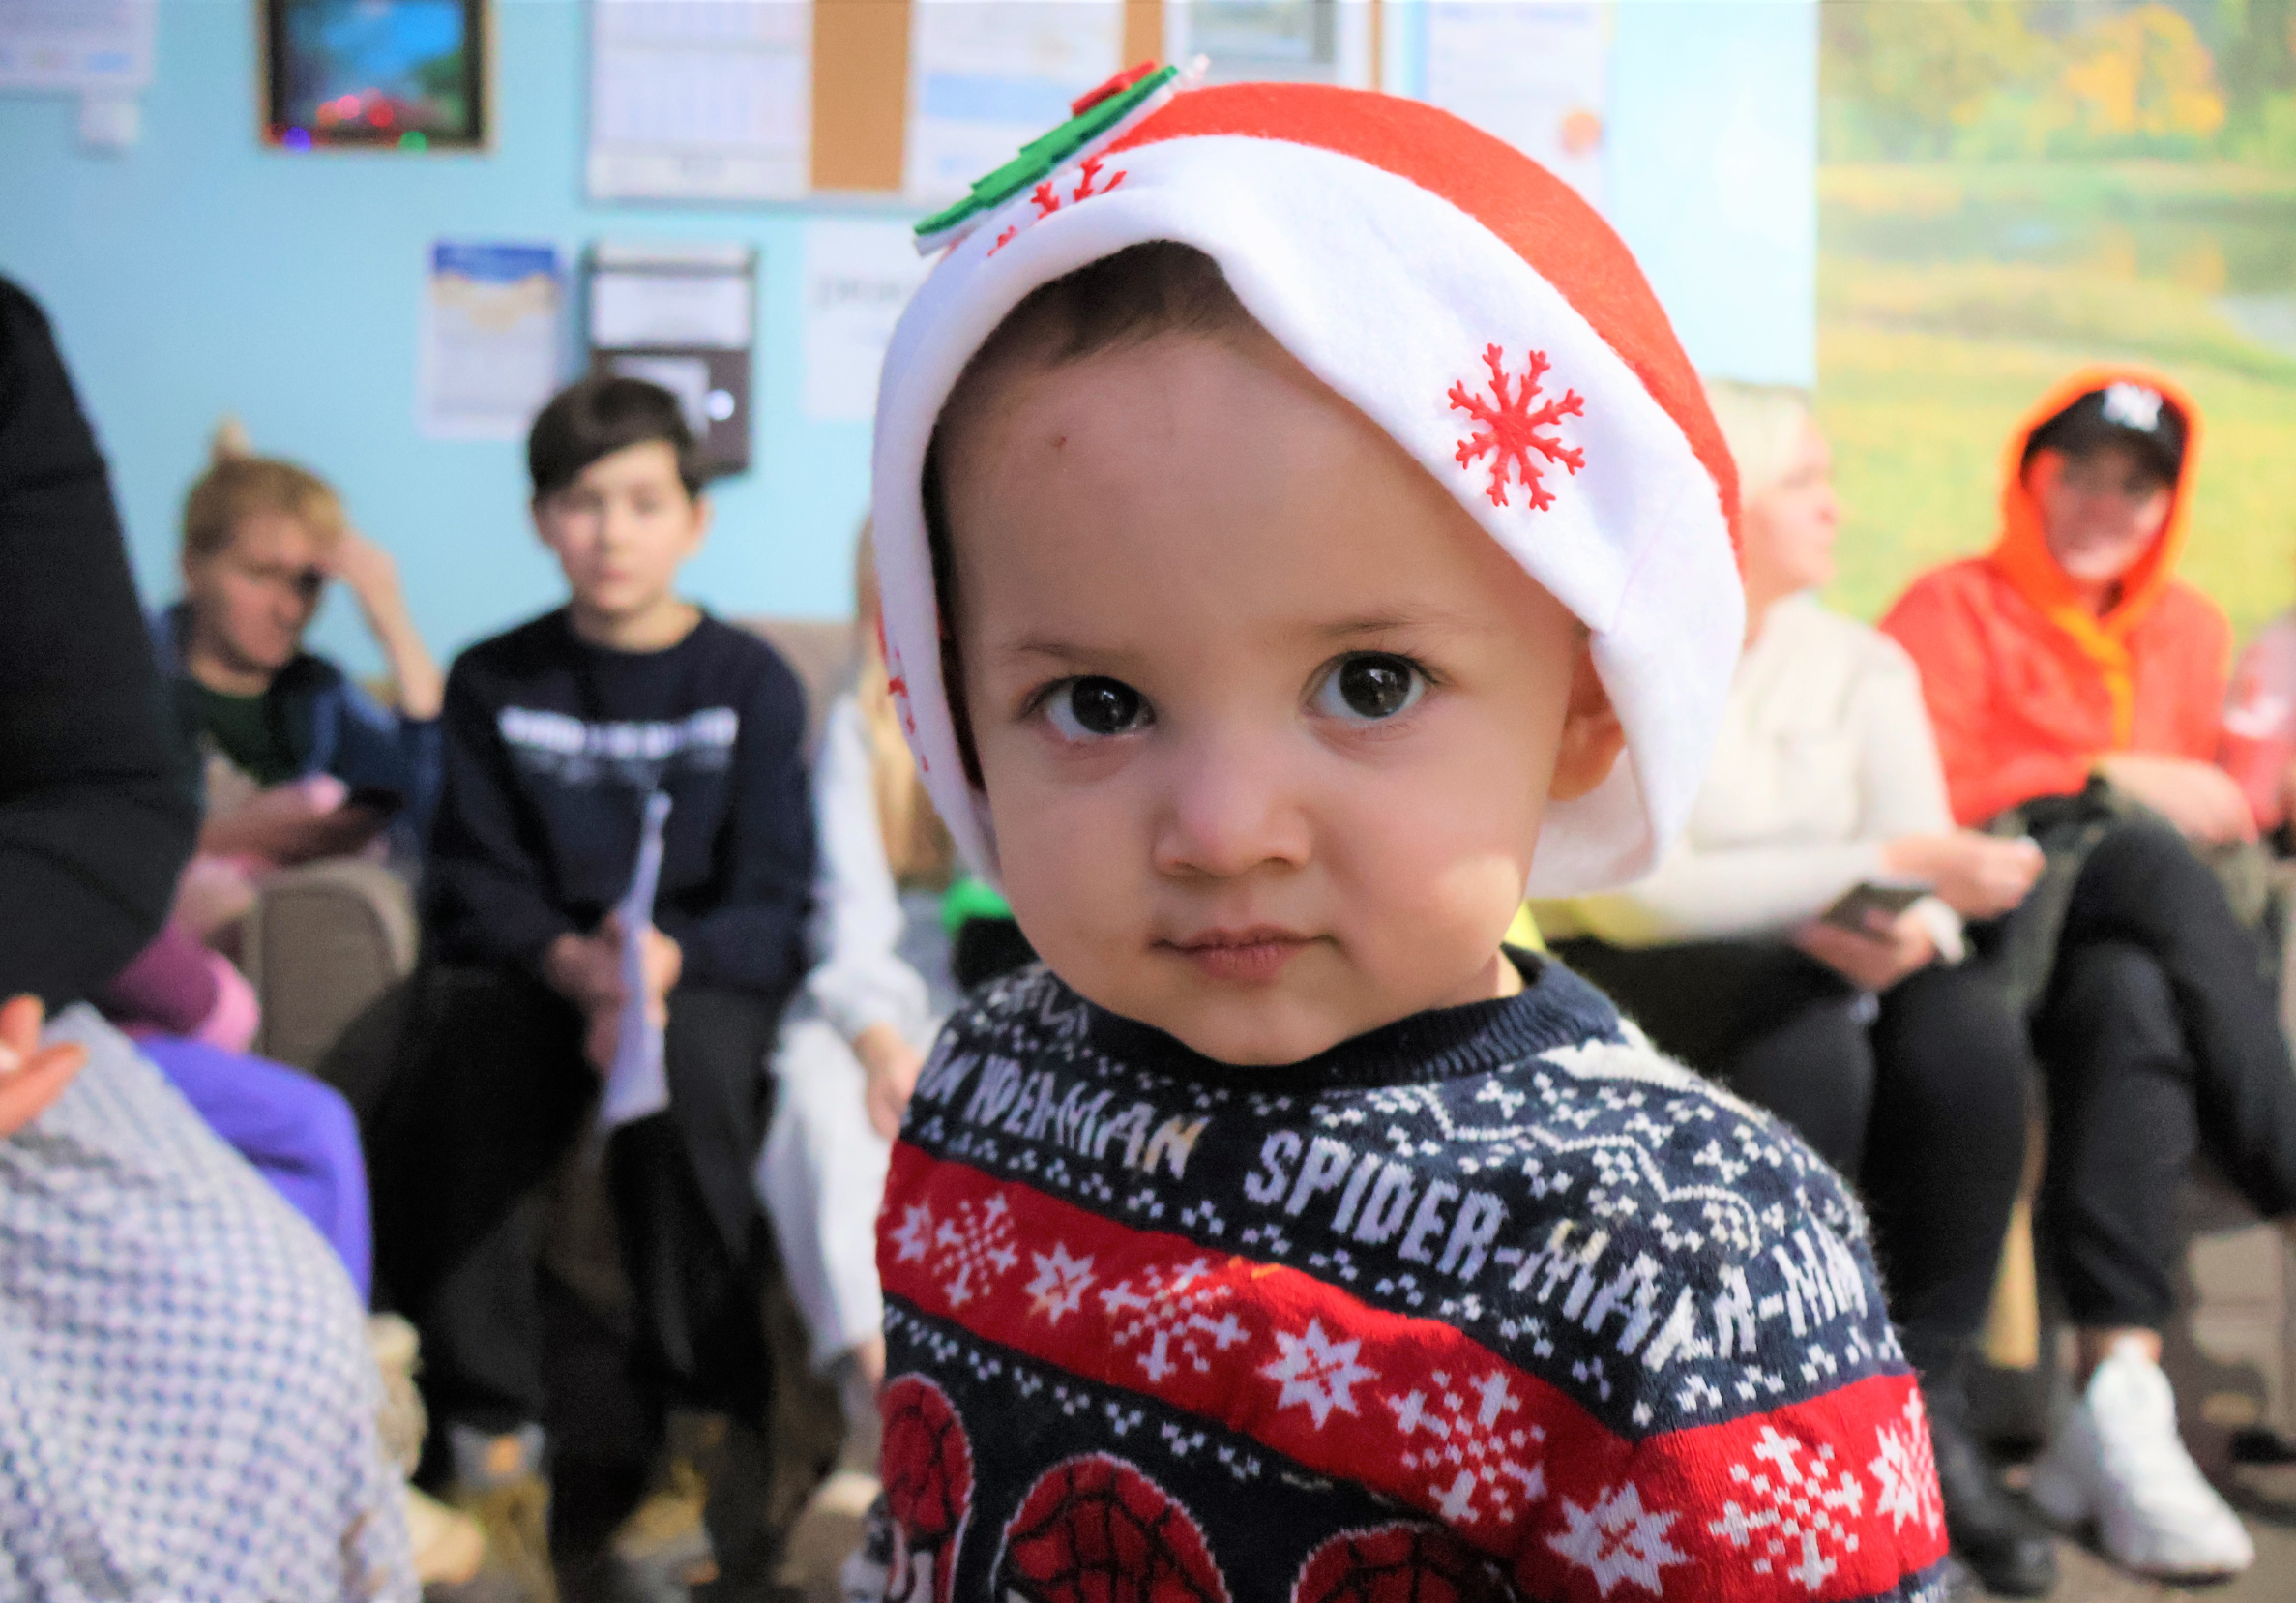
(1460, 295)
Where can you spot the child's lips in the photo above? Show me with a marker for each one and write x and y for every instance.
(1240, 956)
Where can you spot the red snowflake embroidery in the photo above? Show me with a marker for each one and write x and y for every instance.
(1046, 199)
(1510, 430)
(897, 685)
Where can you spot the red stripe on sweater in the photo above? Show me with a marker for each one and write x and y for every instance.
(1831, 1497)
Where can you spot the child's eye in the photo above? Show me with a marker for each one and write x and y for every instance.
(1371, 686)
(1095, 708)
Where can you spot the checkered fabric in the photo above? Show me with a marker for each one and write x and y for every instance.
(187, 1404)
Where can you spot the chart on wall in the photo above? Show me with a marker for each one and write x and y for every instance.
(700, 100)
(91, 45)
(490, 337)
(985, 76)
(1284, 41)
(1534, 73)
(859, 274)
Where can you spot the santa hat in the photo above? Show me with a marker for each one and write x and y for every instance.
(1464, 300)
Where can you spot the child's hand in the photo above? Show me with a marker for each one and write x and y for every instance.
(890, 1065)
(585, 969)
(663, 960)
(1874, 962)
(31, 1077)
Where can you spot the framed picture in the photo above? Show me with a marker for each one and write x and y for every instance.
(375, 74)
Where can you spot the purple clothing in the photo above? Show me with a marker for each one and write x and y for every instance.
(296, 1131)
(169, 986)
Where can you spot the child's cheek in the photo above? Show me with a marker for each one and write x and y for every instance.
(1070, 853)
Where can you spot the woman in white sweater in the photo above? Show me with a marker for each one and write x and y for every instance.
(1905, 1069)
(852, 1043)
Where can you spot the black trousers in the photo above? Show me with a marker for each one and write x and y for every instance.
(2159, 1031)
(1921, 1096)
(490, 1097)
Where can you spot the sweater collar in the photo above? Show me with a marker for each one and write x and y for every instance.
(1555, 1008)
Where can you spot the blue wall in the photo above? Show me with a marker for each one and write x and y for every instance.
(200, 274)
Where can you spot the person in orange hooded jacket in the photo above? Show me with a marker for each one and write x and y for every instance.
(2065, 671)
(2072, 648)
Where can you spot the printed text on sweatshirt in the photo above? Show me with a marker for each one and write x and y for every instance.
(1494, 1297)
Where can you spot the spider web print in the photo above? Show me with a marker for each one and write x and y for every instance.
(1094, 1530)
(1399, 1563)
(927, 1463)
(1511, 435)
(1799, 1500)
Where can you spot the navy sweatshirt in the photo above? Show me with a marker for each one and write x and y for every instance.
(551, 745)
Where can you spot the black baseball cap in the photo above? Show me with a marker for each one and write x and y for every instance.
(2126, 413)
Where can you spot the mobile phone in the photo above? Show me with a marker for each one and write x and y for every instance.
(1861, 906)
(381, 800)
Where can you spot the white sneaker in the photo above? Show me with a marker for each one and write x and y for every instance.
(2120, 1463)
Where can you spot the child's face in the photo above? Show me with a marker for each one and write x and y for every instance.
(622, 529)
(1267, 722)
(2100, 512)
(252, 601)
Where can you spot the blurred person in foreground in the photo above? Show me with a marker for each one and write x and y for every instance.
(1903, 1065)
(2075, 687)
(191, 1408)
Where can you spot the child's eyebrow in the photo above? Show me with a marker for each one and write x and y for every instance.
(1388, 623)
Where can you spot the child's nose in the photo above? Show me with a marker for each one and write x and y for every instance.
(1232, 808)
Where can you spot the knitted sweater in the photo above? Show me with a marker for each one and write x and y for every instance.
(1495, 1301)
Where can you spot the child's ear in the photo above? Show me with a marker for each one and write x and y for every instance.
(704, 510)
(1592, 736)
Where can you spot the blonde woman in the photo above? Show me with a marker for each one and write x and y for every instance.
(318, 764)
(1908, 1071)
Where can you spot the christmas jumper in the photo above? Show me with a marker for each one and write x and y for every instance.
(1493, 1303)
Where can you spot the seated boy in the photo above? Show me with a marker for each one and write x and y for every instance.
(557, 734)
(1299, 531)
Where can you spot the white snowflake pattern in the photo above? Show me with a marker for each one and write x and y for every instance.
(1170, 1316)
(1484, 1459)
(1059, 1285)
(1617, 1539)
(912, 1238)
(1801, 1500)
(970, 1248)
(1319, 1372)
(1906, 1471)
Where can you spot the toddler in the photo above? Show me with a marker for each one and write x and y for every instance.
(1299, 533)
